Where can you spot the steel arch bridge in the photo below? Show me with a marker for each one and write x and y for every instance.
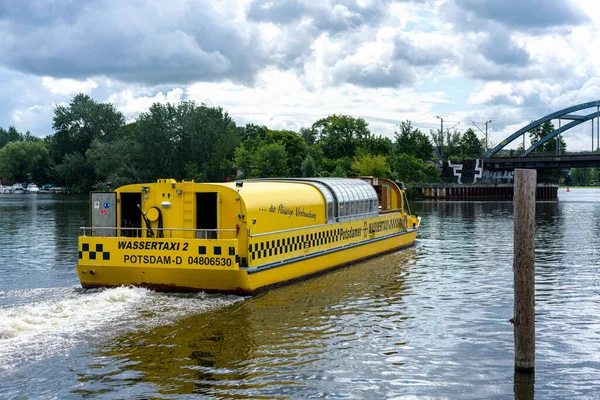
(561, 114)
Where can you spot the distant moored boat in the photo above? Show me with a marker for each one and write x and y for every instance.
(18, 188)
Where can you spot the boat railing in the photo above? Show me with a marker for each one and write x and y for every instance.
(152, 233)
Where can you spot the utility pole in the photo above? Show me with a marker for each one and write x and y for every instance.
(441, 124)
(441, 136)
(485, 133)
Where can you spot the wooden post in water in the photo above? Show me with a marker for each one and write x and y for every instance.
(523, 269)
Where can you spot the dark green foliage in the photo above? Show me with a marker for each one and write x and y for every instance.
(178, 141)
(309, 168)
(76, 172)
(82, 121)
(581, 176)
(371, 165)
(118, 162)
(273, 161)
(470, 147)
(341, 135)
(9, 135)
(537, 133)
(413, 141)
(377, 145)
(294, 146)
(408, 168)
(309, 135)
(25, 161)
(92, 146)
(446, 144)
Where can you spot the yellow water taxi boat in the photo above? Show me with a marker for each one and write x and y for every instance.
(239, 237)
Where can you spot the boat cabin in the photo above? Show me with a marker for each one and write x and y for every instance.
(171, 209)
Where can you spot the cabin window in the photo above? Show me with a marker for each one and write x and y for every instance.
(206, 215)
(131, 216)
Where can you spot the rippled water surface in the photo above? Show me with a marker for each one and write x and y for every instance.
(428, 322)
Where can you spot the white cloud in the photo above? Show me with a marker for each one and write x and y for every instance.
(131, 103)
(492, 91)
(32, 118)
(265, 64)
(67, 87)
(279, 100)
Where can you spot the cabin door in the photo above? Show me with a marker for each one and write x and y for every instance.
(103, 213)
(131, 216)
(206, 215)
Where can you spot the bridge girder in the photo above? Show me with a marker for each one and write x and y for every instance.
(560, 130)
(564, 113)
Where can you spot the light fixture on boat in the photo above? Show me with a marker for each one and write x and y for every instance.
(165, 204)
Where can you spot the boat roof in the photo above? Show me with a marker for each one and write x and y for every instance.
(348, 196)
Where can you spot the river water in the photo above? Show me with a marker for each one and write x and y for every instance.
(428, 322)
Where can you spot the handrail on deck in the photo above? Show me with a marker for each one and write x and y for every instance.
(137, 232)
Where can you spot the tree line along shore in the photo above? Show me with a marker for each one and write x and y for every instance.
(92, 145)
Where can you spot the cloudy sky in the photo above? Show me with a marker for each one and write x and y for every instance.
(287, 63)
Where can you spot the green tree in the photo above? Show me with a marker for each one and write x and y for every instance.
(446, 144)
(339, 172)
(268, 160)
(177, 140)
(76, 126)
(246, 160)
(469, 146)
(76, 172)
(24, 161)
(272, 161)
(452, 148)
(536, 134)
(412, 141)
(82, 121)
(309, 135)
(341, 135)
(309, 168)
(295, 148)
(409, 168)
(9, 135)
(437, 137)
(376, 145)
(118, 162)
(582, 176)
(252, 132)
(210, 143)
(371, 165)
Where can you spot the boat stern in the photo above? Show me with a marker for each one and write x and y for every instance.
(173, 264)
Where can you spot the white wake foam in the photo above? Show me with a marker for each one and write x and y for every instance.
(52, 321)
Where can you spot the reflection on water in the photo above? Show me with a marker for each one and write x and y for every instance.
(271, 345)
(431, 321)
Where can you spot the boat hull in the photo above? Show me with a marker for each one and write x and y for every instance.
(179, 272)
(236, 237)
